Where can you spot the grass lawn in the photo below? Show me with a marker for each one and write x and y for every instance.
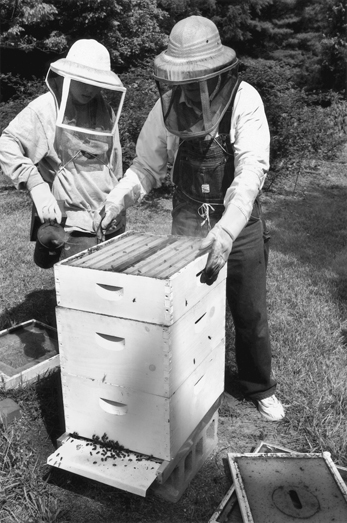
(307, 301)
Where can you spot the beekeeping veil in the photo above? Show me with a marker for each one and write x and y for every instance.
(195, 76)
(85, 88)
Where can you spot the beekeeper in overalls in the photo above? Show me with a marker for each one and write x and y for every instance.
(64, 148)
(214, 131)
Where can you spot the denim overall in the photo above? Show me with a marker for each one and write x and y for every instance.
(203, 171)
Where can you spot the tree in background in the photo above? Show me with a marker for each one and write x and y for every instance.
(136, 31)
(308, 35)
(241, 22)
(290, 48)
(23, 23)
(130, 29)
(333, 57)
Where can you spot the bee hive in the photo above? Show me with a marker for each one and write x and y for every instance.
(141, 341)
(143, 277)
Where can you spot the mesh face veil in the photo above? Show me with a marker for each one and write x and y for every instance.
(194, 108)
(85, 88)
(195, 77)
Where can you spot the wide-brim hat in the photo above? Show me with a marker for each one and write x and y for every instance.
(86, 60)
(194, 50)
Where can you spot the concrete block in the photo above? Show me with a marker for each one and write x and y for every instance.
(197, 449)
(9, 411)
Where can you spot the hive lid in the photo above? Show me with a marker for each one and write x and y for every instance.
(124, 470)
(139, 254)
(27, 350)
(275, 488)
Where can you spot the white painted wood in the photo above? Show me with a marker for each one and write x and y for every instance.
(149, 296)
(146, 423)
(30, 371)
(130, 472)
(147, 357)
(29, 375)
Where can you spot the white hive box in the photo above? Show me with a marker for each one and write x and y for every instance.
(141, 341)
(144, 423)
(148, 357)
(154, 279)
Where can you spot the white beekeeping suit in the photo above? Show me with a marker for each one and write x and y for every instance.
(64, 146)
(86, 129)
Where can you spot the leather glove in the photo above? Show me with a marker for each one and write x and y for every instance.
(219, 242)
(46, 205)
(110, 218)
(107, 220)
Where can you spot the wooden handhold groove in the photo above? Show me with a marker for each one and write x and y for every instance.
(109, 342)
(113, 407)
(109, 292)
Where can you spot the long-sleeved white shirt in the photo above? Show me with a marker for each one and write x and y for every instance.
(156, 148)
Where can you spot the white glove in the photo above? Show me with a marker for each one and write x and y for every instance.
(219, 242)
(46, 205)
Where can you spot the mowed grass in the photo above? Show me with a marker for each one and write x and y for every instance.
(307, 292)
(307, 303)
(26, 291)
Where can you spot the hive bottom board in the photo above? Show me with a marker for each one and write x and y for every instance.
(27, 351)
(128, 471)
(144, 423)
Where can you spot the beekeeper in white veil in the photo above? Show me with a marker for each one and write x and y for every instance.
(64, 148)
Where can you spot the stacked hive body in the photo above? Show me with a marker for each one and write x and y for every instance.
(141, 341)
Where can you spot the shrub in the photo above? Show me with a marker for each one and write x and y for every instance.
(140, 97)
(23, 91)
(303, 126)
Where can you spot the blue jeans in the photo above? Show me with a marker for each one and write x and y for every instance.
(245, 289)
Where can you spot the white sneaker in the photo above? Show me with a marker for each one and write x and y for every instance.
(271, 408)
